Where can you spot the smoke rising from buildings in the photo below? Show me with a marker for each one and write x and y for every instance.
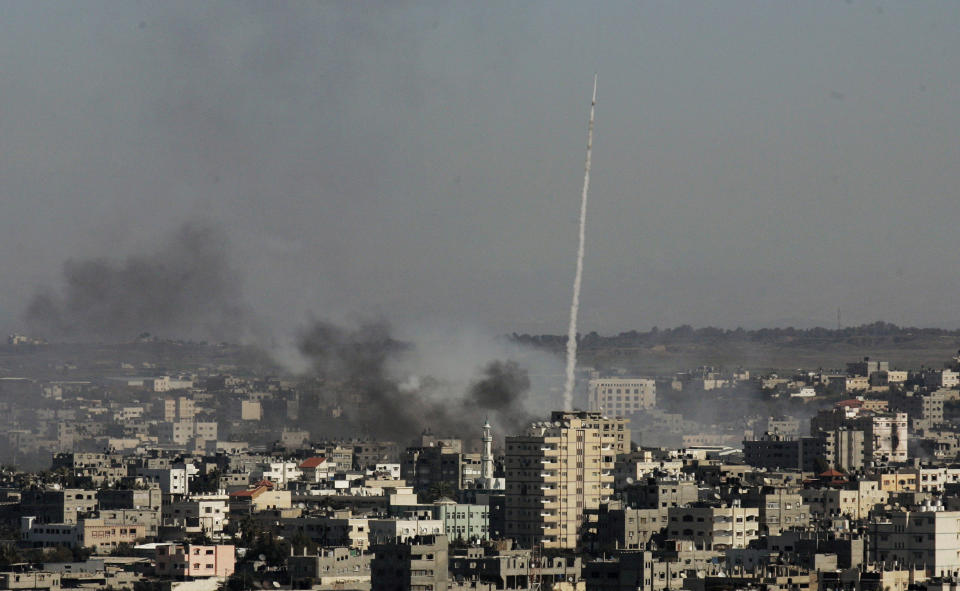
(392, 397)
(501, 390)
(187, 288)
(578, 278)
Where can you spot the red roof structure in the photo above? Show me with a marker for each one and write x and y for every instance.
(313, 462)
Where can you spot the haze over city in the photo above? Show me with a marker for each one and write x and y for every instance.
(756, 164)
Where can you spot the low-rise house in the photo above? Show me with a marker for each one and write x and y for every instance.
(193, 561)
(261, 497)
(316, 469)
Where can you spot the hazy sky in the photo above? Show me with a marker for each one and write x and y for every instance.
(756, 163)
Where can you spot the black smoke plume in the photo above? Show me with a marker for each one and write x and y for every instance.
(365, 370)
(186, 288)
(501, 391)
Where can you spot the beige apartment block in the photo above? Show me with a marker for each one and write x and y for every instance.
(622, 396)
(556, 472)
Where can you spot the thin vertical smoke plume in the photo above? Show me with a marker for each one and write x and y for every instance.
(578, 278)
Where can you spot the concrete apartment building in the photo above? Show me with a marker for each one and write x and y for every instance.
(189, 560)
(426, 467)
(278, 472)
(340, 455)
(206, 514)
(339, 530)
(392, 530)
(774, 451)
(508, 568)
(558, 471)
(661, 493)
(714, 528)
(30, 580)
(843, 449)
(100, 468)
(330, 566)
(621, 396)
(855, 503)
(635, 571)
(181, 408)
(316, 469)
(946, 378)
(420, 565)
(172, 480)
(147, 517)
(184, 431)
(628, 529)
(885, 435)
(921, 479)
(58, 506)
(929, 539)
(924, 411)
(867, 367)
(251, 410)
(463, 521)
(259, 498)
(114, 498)
(779, 510)
(99, 535)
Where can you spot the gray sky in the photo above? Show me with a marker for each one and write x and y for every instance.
(756, 163)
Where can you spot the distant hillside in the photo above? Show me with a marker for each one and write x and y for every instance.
(776, 349)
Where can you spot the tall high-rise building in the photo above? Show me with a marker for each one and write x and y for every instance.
(557, 472)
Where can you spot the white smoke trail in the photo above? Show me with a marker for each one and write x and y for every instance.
(578, 278)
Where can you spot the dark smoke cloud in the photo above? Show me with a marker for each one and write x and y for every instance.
(356, 361)
(372, 368)
(185, 289)
(502, 390)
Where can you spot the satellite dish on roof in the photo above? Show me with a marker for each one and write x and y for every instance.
(262, 557)
(629, 480)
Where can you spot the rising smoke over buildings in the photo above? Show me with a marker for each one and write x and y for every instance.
(501, 391)
(377, 375)
(186, 288)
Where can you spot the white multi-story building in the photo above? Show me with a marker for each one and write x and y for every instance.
(622, 396)
(392, 469)
(929, 539)
(173, 480)
(885, 437)
(279, 473)
(201, 513)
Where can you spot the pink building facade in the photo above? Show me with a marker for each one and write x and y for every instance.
(188, 560)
